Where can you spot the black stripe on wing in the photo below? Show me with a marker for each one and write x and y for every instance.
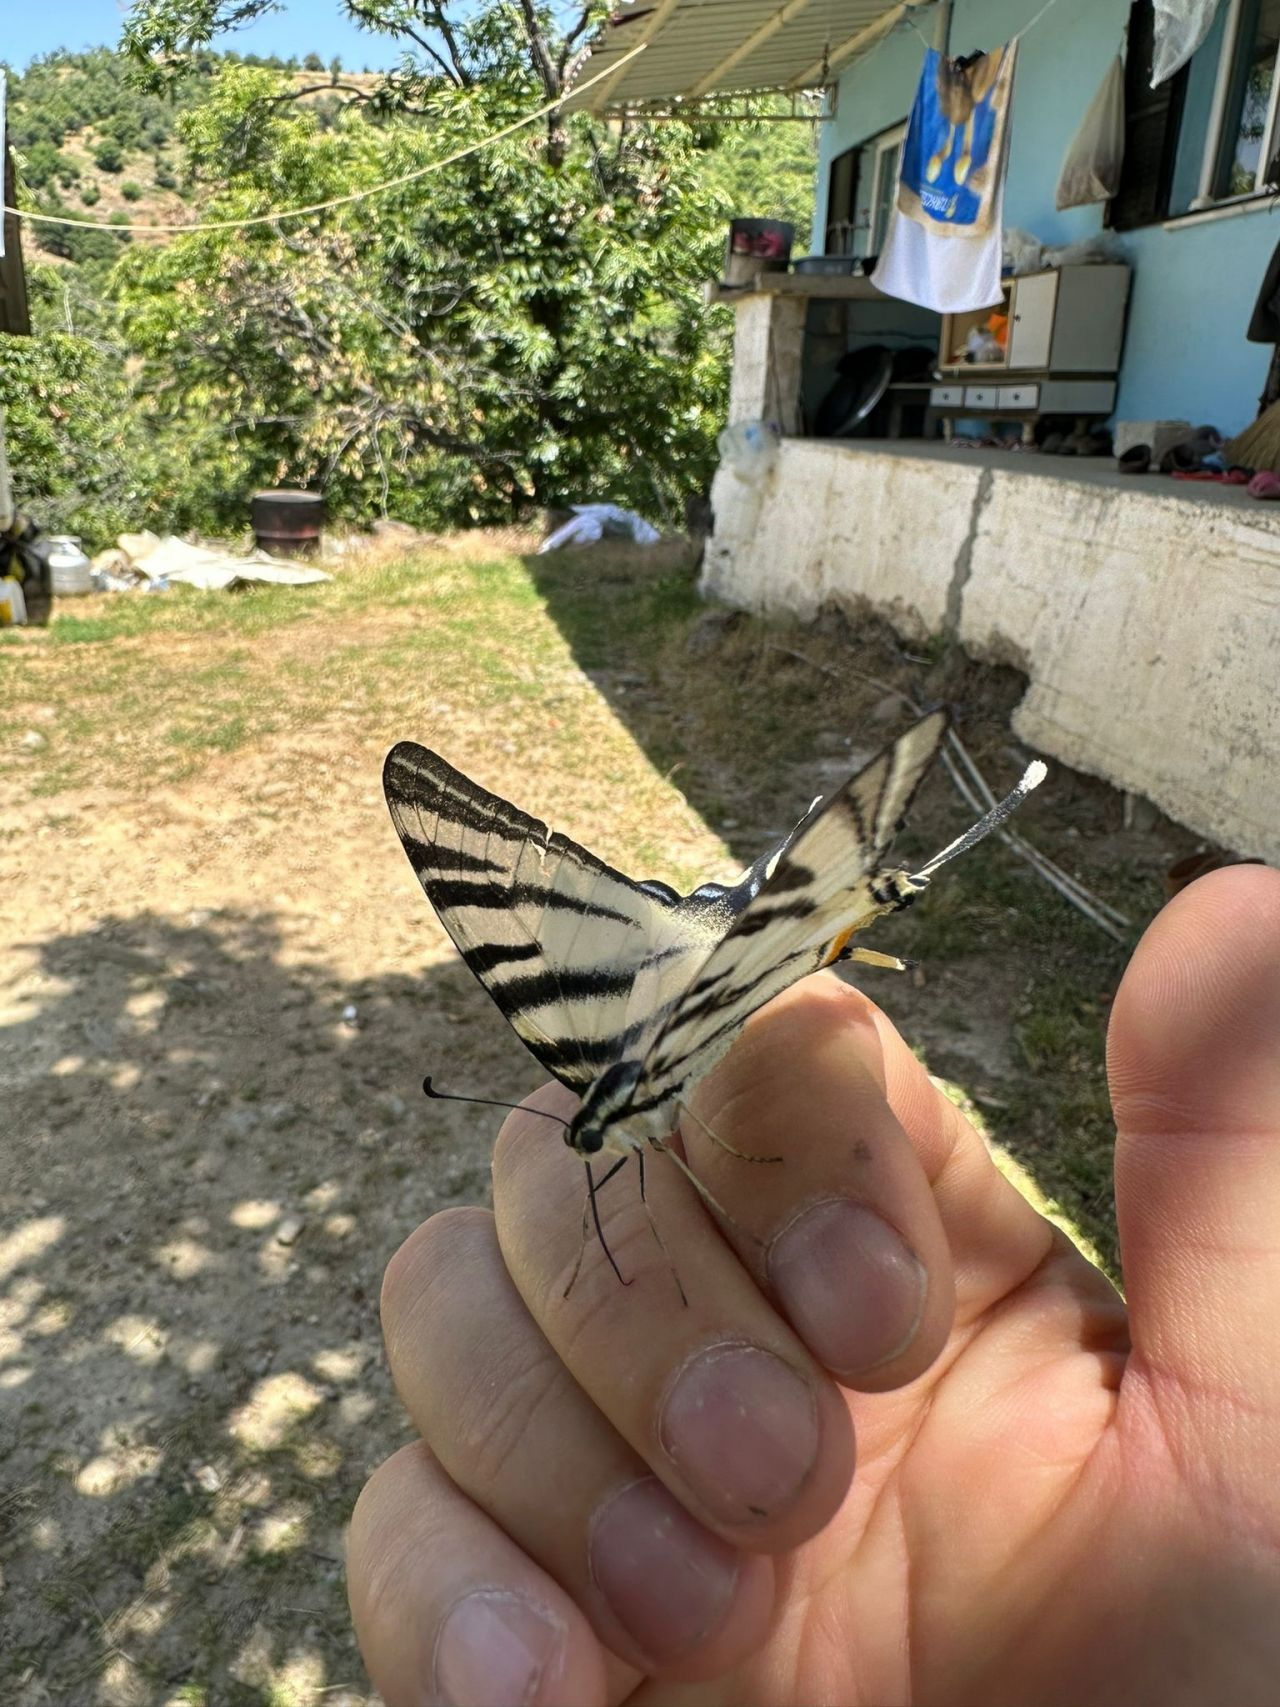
(554, 934)
(827, 880)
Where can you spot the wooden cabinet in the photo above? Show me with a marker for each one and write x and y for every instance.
(1065, 333)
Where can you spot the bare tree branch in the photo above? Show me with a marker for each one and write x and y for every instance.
(571, 38)
(454, 67)
(354, 89)
(547, 68)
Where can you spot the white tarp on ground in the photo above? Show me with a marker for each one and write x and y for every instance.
(173, 560)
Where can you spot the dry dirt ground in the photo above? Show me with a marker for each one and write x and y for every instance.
(220, 988)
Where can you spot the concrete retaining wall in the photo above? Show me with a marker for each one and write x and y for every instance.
(1145, 614)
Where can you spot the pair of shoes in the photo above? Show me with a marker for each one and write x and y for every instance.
(1136, 460)
(1204, 445)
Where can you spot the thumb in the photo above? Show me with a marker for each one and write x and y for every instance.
(1194, 1062)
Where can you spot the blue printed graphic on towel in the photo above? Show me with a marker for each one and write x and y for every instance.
(950, 159)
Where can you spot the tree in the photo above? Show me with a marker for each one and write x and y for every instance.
(108, 157)
(503, 333)
(520, 327)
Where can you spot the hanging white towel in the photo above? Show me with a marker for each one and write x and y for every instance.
(943, 249)
(948, 274)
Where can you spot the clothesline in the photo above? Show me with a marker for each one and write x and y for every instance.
(909, 17)
(335, 201)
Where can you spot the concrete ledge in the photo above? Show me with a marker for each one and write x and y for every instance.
(1145, 613)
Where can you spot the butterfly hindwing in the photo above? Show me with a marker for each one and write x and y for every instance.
(557, 937)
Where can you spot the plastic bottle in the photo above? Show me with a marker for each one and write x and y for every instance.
(13, 607)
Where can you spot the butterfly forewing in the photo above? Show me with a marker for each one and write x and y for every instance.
(822, 887)
(555, 935)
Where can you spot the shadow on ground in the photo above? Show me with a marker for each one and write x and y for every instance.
(753, 718)
(209, 1156)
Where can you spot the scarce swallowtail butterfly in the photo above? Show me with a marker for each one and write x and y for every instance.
(627, 992)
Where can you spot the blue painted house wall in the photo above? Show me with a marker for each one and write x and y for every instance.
(1194, 284)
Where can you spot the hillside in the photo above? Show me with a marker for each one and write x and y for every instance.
(90, 144)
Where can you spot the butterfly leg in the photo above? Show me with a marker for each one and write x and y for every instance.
(592, 1209)
(653, 1228)
(720, 1143)
(712, 1203)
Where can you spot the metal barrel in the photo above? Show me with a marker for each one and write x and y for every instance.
(288, 524)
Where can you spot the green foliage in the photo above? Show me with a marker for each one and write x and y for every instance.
(90, 194)
(504, 333)
(767, 170)
(67, 415)
(518, 328)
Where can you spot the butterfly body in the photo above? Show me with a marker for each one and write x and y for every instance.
(628, 992)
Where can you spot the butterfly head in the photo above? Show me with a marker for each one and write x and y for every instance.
(607, 1102)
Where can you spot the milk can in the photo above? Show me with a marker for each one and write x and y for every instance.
(69, 568)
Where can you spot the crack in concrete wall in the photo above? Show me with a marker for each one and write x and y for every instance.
(964, 557)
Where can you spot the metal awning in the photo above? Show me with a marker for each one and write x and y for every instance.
(699, 48)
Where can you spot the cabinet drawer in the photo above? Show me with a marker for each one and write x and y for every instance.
(1019, 396)
(982, 396)
(943, 395)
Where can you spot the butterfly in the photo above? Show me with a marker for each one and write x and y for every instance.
(628, 992)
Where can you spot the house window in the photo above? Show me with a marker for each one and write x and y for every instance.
(842, 191)
(861, 192)
(1246, 135)
(885, 153)
(1210, 133)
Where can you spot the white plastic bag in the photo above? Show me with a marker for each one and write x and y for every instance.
(1091, 169)
(1180, 27)
(592, 522)
(1022, 253)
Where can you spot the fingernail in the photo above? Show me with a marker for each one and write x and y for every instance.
(742, 1428)
(668, 1581)
(493, 1650)
(851, 1288)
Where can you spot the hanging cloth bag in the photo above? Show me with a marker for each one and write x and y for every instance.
(1091, 169)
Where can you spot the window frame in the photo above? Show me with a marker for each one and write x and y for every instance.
(893, 137)
(1216, 138)
(864, 163)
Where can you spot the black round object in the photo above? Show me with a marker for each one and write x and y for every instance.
(864, 378)
(287, 523)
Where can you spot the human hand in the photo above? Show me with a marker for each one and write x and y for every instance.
(616, 1499)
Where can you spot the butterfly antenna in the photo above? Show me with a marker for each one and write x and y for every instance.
(711, 1203)
(720, 1142)
(586, 1214)
(428, 1089)
(662, 1243)
(1032, 777)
